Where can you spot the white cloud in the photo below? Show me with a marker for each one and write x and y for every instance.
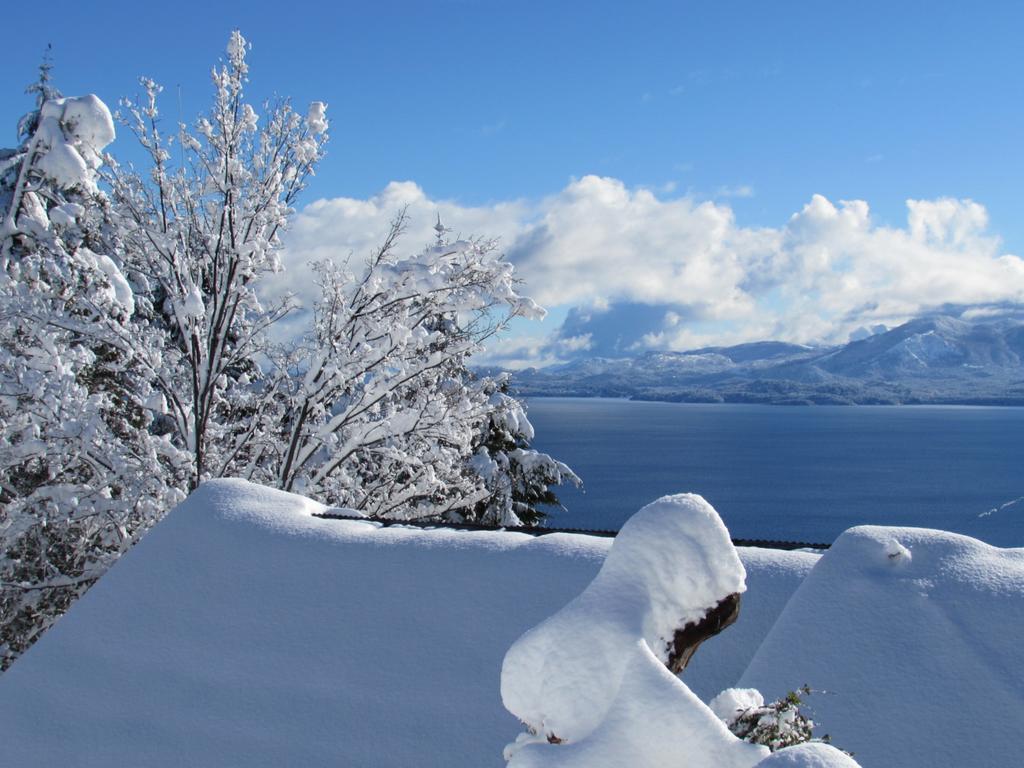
(598, 238)
(738, 190)
(827, 270)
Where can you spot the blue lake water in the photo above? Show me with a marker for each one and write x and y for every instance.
(792, 473)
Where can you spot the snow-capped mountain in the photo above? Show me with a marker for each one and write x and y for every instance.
(937, 359)
(932, 344)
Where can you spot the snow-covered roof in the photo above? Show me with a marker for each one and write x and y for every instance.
(244, 631)
(914, 637)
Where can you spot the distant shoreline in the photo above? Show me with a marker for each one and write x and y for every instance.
(730, 399)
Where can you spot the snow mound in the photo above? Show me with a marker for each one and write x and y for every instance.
(732, 702)
(811, 755)
(912, 637)
(654, 721)
(87, 119)
(71, 135)
(671, 563)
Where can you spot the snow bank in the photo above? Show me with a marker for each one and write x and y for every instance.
(814, 755)
(243, 631)
(621, 705)
(654, 721)
(670, 564)
(913, 636)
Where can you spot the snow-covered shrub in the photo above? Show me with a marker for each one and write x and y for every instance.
(374, 409)
(135, 363)
(778, 724)
(518, 478)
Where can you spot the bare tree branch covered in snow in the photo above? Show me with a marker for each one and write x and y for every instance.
(381, 412)
(197, 238)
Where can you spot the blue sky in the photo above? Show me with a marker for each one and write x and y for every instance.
(498, 112)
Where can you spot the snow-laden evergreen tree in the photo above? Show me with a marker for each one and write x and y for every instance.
(198, 235)
(80, 473)
(518, 478)
(381, 411)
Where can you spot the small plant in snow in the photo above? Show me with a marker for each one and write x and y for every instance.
(776, 725)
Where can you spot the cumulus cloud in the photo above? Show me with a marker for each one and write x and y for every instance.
(644, 271)
(611, 330)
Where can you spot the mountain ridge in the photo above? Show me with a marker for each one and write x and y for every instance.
(938, 359)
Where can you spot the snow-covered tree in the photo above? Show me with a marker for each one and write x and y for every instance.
(381, 411)
(80, 474)
(197, 238)
(134, 361)
(518, 478)
(375, 409)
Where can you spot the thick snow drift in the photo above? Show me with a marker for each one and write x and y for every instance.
(587, 683)
(654, 721)
(243, 631)
(657, 722)
(671, 563)
(914, 638)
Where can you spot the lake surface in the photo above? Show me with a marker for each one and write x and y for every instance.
(792, 473)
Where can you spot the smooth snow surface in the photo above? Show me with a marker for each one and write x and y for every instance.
(913, 638)
(243, 632)
(655, 721)
(814, 755)
(670, 564)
